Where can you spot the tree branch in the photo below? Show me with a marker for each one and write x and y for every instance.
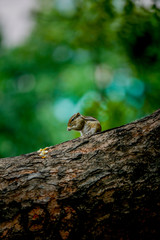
(104, 186)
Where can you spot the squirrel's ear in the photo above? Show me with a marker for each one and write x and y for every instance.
(78, 114)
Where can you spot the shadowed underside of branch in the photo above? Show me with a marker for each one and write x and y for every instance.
(104, 186)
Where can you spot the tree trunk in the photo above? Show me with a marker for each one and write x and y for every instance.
(104, 186)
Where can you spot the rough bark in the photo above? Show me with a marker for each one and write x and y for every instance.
(104, 186)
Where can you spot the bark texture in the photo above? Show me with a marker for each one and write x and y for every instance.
(105, 186)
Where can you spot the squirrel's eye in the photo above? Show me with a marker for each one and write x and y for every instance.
(72, 119)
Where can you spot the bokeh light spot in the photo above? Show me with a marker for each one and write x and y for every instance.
(64, 109)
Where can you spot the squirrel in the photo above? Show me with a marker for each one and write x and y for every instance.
(85, 125)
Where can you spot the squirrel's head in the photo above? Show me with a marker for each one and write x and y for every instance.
(76, 122)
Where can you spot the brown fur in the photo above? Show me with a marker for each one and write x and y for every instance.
(86, 125)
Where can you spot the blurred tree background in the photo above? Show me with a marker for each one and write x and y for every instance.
(101, 58)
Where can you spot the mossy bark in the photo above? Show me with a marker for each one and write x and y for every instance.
(104, 186)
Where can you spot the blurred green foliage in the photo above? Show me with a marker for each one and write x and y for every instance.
(101, 58)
